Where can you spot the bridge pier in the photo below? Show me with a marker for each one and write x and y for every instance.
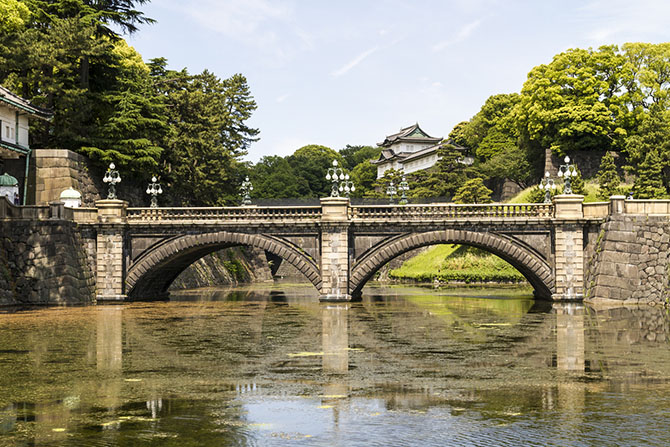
(109, 275)
(568, 248)
(335, 249)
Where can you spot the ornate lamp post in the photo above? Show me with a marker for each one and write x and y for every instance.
(245, 191)
(347, 186)
(567, 170)
(403, 188)
(153, 190)
(335, 174)
(547, 184)
(112, 177)
(391, 192)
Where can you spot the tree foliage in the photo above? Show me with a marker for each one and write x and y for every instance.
(608, 178)
(473, 191)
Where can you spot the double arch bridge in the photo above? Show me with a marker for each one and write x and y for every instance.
(138, 252)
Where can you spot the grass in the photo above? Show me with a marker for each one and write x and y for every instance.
(448, 263)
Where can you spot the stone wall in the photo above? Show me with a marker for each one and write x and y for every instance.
(54, 170)
(43, 262)
(630, 263)
(231, 266)
(588, 163)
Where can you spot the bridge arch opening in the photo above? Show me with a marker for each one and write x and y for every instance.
(533, 267)
(152, 273)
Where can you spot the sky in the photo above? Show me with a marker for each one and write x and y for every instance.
(351, 72)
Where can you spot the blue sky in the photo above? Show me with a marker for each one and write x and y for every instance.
(350, 72)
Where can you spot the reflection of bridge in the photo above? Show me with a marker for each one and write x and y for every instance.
(338, 247)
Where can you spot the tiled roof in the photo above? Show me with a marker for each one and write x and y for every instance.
(412, 134)
(16, 102)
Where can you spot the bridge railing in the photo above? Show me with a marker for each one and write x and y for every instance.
(649, 207)
(452, 210)
(596, 209)
(221, 213)
(34, 212)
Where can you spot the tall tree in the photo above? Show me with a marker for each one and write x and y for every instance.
(649, 181)
(208, 134)
(608, 178)
(132, 118)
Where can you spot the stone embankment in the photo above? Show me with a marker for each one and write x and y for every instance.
(43, 262)
(230, 266)
(630, 263)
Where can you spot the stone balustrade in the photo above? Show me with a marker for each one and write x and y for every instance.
(452, 211)
(223, 213)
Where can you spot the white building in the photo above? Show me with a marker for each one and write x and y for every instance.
(15, 113)
(409, 150)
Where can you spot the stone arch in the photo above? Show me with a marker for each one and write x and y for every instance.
(153, 272)
(534, 268)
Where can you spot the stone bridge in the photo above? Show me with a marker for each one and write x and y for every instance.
(137, 252)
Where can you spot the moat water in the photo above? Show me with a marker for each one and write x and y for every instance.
(272, 366)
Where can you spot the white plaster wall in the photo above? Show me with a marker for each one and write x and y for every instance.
(23, 131)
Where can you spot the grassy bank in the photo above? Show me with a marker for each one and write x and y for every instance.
(450, 263)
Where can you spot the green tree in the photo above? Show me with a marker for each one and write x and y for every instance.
(473, 191)
(380, 185)
(511, 163)
(653, 133)
(207, 134)
(446, 176)
(355, 155)
(135, 120)
(493, 128)
(577, 183)
(576, 102)
(273, 177)
(649, 181)
(364, 176)
(14, 16)
(311, 163)
(608, 178)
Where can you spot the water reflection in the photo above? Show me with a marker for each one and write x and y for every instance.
(569, 336)
(335, 338)
(245, 369)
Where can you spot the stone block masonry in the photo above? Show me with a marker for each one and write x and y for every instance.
(54, 170)
(630, 263)
(43, 263)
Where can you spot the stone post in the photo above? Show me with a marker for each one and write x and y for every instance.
(56, 210)
(110, 275)
(617, 204)
(335, 249)
(568, 247)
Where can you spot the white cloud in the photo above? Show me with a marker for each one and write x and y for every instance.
(610, 20)
(283, 97)
(263, 24)
(463, 33)
(355, 61)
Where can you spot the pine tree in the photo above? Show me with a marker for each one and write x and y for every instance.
(473, 191)
(447, 175)
(649, 181)
(577, 183)
(608, 178)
